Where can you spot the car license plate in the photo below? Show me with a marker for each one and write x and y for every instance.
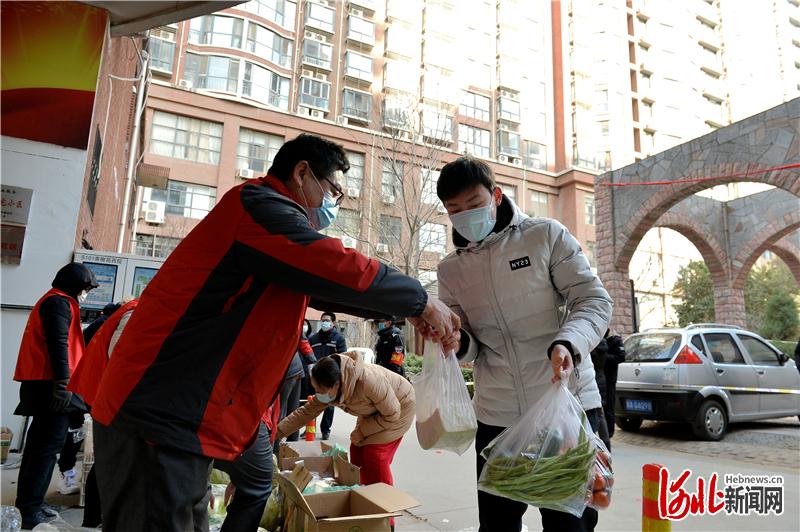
(639, 405)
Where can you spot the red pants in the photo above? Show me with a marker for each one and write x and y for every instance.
(375, 461)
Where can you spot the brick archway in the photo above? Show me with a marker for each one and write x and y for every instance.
(789, 253)
(766, 240)
(764, 148)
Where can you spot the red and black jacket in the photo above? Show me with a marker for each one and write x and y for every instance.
(216, 328)
(87, 375)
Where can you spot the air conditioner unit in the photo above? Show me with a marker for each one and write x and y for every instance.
(349, 242)
(316, 113)
(388, 199)
(308, 73)
(356, 12)
(343, 120)
(503, 159)
(321, 76)
(186, 84)
(154, 212)
(382, 248)
(245, 173)
(441, 209)
(353, 192)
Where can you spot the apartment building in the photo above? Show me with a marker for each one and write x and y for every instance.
(550, 93)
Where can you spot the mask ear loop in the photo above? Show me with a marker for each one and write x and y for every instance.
(308, 208)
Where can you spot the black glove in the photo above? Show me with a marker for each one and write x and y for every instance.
(61, 396)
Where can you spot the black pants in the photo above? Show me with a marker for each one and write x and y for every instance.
(44, 440)
(69, 452)
(290, 401)
(498, 514)
(92, 516)
(327, 420)
(149, 487)
(251, 473)
(611, 371)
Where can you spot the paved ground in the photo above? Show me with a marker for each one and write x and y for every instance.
(444, 483)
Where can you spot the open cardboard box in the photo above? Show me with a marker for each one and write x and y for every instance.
(366, 508)
(345, 473)
(293, 449)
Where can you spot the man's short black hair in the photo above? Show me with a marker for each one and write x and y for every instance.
(331, 315)
(463, 174)
(324, 157)
(327, 371)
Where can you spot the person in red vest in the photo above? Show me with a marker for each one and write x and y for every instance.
(85, 381)
(212, 337)
(51, 347)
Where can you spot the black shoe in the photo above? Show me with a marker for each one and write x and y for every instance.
(38, 518)
(326, 435)
(50, 510)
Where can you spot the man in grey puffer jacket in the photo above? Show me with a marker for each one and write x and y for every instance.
(530, 308)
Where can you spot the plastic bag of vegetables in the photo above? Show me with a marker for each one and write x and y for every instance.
(445, 416)
(547, 458)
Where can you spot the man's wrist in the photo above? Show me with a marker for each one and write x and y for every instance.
(576, 358)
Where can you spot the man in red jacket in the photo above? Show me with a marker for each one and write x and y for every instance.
(51, 347)
(216, 328)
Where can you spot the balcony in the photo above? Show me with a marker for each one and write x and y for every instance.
(707, 12)
(707, 36)
(369, 5)
(360, 30)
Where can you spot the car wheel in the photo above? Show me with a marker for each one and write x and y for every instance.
(629, 424)
(711, 421)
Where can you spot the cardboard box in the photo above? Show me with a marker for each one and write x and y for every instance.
(345, 473)
(291, 449)
(366, 508)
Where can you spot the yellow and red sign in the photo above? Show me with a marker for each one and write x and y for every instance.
(51, 53)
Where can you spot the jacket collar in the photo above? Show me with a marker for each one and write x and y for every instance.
(278, 186)
(351, 371)
(509, 216)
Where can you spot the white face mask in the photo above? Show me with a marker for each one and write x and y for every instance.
(82, 296)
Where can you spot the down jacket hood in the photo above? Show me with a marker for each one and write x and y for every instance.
(73, 278)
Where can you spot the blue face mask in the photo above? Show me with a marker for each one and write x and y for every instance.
(326, 326)
(474, 224)
(325, 214)
(324, 398)
(381, 326)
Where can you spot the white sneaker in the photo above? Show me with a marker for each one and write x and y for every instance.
(69, 483)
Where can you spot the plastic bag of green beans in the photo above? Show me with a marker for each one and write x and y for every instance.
(547, 457)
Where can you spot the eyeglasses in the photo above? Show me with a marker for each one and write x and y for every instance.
(339, 198)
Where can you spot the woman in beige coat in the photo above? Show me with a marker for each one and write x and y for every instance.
(382, 401)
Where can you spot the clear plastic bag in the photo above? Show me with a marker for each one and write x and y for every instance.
(445, 416)
(547, 458)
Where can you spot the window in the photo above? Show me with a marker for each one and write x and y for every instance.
(508, 109)
(320, 17)
(538, 126)
(539, 204)
(269, 45)
(535, 155)
(401, 76)
(474, 106)
(723, 349)
(391, 227)
(429, 178)
(347, 223)
(155, 246)
(212, 72)
(314, 93)
(433, 237)
(94, 174)
(395, 114)
(256, 150)
(187, 138)
(358, 66)
(317, 53)
(473, 140)
(436, 125)
(429, 281)
(354, 178)
(508, 142)
(216, 31)
(360, 29)
(653, 347)
(266, 86)
(391, 177)
(760, 353)
(697, 343)
(509, 190)
(602, 101)
(188, 200)
(357, 104)
(604, 128)
(281, 12)
(162, 52)
(588, 207)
